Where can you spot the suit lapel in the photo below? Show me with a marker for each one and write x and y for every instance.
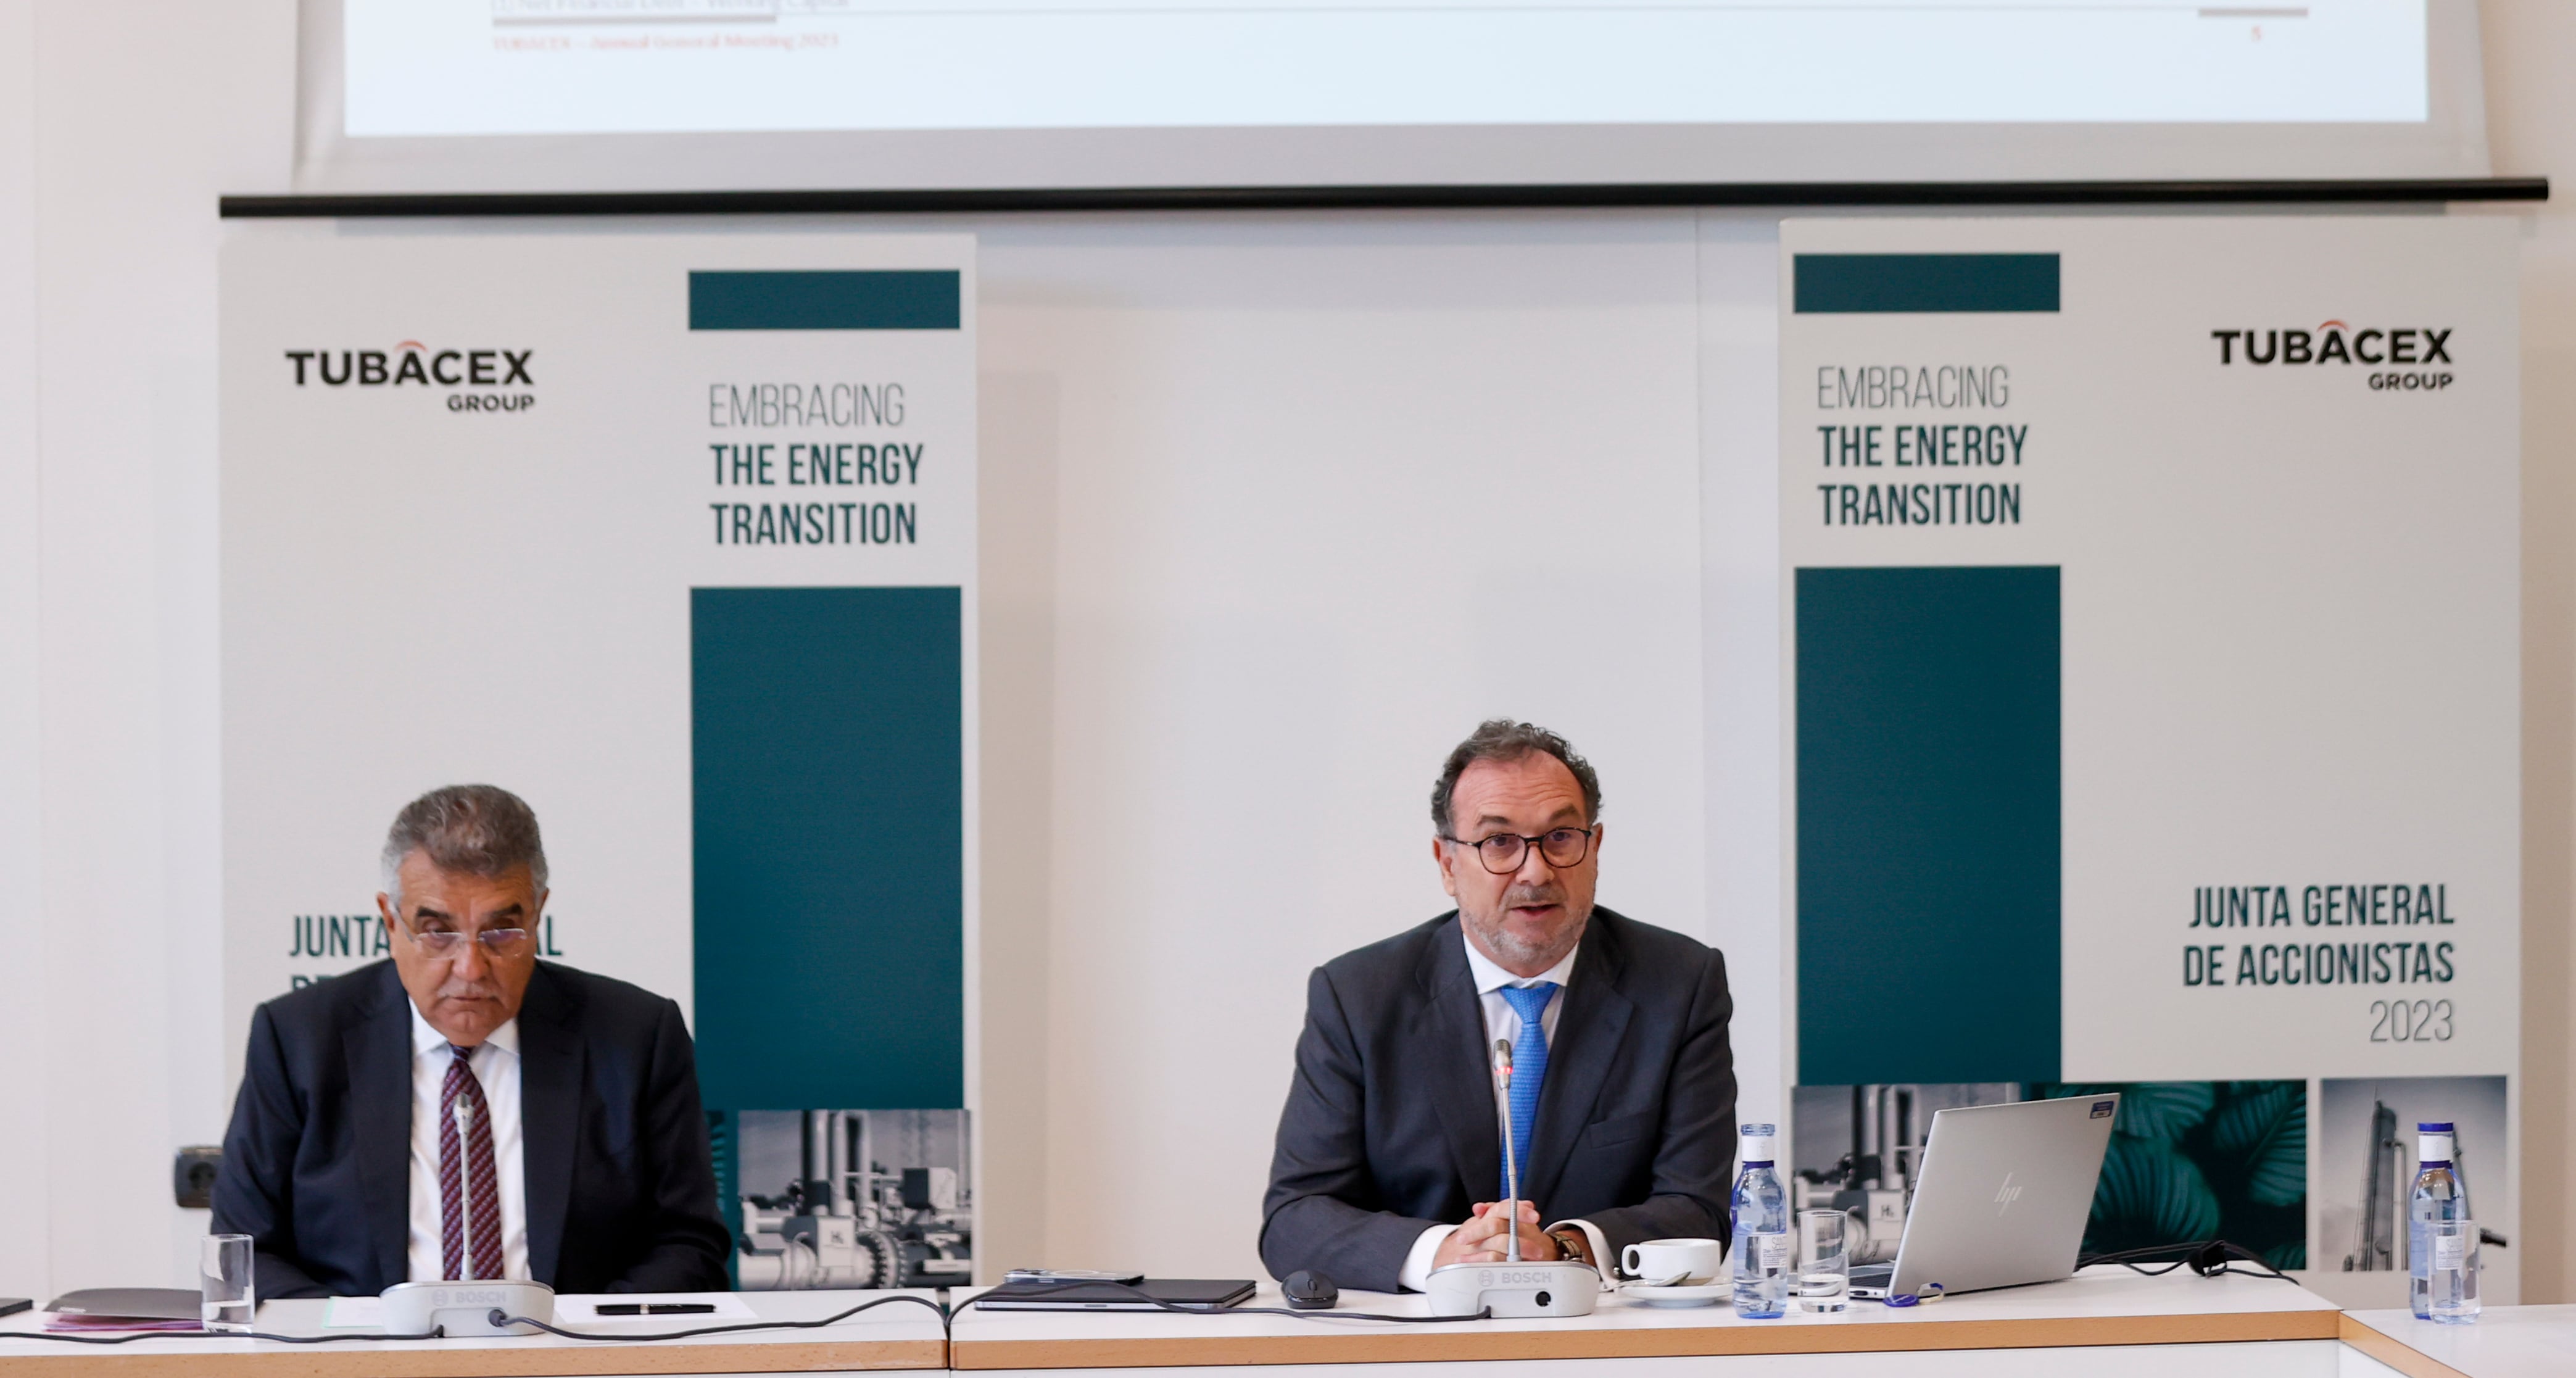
(1588, 1034)
(550, 1069)
(378, 1052)
(1454, 1028)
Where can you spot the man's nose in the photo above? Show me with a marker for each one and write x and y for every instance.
(471, 961)
(1535, 869)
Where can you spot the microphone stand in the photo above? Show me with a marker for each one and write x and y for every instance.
(1511, 1151)
(1518, 1288)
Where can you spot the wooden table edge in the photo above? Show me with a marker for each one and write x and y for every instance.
(2394, 1352)
(1418, 1347)
(496, 1361)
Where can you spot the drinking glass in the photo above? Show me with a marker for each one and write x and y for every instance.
(1824, 1260)
(225, 1301)
(2452, 1280)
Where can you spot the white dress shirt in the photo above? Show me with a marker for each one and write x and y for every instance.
(496, 1065)
(1501, 1022)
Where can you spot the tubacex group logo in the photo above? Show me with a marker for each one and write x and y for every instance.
(2400, 358)
(475, 380)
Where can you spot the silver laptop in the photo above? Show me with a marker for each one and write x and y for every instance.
(2001, 1198)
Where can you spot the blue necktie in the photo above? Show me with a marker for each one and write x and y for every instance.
(1529, 1068)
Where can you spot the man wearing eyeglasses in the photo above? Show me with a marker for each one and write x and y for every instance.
(464, 1110)
(1622, 1099)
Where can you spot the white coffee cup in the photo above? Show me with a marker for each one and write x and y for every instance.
(1694, 1260)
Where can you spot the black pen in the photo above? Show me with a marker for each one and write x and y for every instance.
(655, 1308)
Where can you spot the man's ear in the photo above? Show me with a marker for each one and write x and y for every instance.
(1444, 857)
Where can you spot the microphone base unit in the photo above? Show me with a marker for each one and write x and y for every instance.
(465, 1308)
(1514, 1291)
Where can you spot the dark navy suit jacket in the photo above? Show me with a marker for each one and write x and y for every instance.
(621, 1190)
(1390, 1126)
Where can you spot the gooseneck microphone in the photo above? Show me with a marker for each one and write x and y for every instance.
(1515, 1287)
(1511, 1151)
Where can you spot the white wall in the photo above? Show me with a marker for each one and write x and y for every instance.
(2531, 128)
(24, 1145)
(1328, 491)
(1745, 748)
(121, 123)
(1234, 470)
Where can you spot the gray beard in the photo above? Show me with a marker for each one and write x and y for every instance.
(1511, 951)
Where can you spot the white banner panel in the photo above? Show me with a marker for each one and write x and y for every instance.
(2154, 672)
(675, 537)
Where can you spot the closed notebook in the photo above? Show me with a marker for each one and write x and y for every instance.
(1197, 1293)
(125, 1308)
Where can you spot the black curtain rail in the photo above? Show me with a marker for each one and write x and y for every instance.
(1632, 195)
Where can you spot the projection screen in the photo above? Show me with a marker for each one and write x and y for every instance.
(500, 95)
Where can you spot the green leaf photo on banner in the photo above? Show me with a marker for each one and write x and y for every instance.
(2193, 1160)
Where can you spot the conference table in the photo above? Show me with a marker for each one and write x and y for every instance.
(2124, 1323)
(2507, 1342)
(2103, 1323)
(888, 1337)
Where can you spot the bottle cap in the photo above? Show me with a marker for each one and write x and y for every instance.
(2432, 1145)
(2433, 1127)
(1756, 1141)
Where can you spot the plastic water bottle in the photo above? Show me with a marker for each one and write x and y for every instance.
(1759, 1219)
(2437, 1196)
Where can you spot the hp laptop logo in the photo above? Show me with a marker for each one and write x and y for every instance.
(2006, 1194)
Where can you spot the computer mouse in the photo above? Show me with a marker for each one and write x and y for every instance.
(1310, 1291)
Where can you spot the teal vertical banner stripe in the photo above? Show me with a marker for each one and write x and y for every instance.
(1928, 826)
(723, 1127)
(874, 299)
(828, 757)
(1906, 283)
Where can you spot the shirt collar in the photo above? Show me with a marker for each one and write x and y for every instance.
(1491, 978)
(425, 1039)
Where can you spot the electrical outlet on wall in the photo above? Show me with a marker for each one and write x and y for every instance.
(192, 1175)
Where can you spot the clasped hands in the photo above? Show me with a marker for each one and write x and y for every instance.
(1483, 1238)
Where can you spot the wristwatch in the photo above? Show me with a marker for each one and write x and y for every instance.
(1571, 1244)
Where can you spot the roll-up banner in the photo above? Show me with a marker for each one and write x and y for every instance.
(2153, 685)
(674, 536)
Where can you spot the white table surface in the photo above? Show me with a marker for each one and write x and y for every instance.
(2121, 1306)
(2262, 1359)
(525, 1355)
(2506, 1342)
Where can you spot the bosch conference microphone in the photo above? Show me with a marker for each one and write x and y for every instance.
(1513, 1289)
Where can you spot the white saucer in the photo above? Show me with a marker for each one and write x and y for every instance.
(1703, 1294)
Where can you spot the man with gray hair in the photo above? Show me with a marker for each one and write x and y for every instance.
(464, 1110)
(1622, 1104)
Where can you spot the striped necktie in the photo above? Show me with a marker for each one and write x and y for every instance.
(469, 1192)
(1529, 1069)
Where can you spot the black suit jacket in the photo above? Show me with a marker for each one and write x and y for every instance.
(621, 1190)
(1390, 1126)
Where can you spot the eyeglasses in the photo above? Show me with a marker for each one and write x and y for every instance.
(1503, 852)
(442, 942)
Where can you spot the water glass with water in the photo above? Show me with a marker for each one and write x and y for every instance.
(1824, 1260)
(224, 1276)
(2451, 1277)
